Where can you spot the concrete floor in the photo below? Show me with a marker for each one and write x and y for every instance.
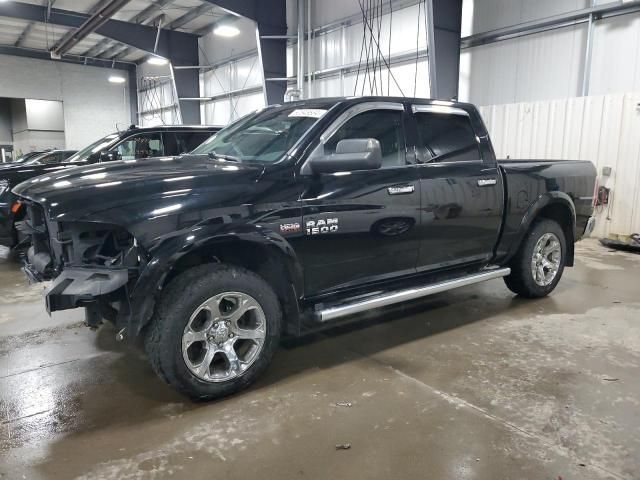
(473, 383)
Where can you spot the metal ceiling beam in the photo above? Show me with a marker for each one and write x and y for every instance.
(76, 59)
(113, 50)
(243, 8)
(145, 17)
(25, 32)
(189, 16)
(143, 37)
(228, 18)
(69, 34)
(105, 10)
(118, 51)
(150, 11)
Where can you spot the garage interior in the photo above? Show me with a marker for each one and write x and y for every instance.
(470, 383)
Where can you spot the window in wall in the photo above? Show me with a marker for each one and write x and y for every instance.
(383, 125)
(446, 138)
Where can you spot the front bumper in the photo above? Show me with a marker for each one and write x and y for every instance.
(78, 287)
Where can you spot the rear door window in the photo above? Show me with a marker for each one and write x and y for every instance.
(446, 137)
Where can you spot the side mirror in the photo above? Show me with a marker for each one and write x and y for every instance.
(352, 154)
(110, 156)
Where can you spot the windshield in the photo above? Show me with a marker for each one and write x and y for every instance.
(34, 160)
(27, 157)
(95, 148)
(264, 136)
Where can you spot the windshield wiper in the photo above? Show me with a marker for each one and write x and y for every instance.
(230, 158)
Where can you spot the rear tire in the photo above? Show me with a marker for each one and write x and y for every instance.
(215, 331)
(537, 267)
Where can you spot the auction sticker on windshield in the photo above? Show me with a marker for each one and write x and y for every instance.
(308, 112)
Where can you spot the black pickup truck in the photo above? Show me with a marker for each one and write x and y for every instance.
(292, 218)
(133, 143)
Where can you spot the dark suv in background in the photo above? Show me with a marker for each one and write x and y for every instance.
(135, 143)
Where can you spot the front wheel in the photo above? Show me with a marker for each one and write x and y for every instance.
(537, 267)
(215, 331)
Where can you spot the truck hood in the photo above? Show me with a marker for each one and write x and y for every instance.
(81, 191)
(18, 173)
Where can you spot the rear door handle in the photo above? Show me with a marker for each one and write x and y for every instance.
(486, 182)
(401, 190)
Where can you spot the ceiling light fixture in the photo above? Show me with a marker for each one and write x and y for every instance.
(116, 79)
(226, 31)
(154, 60)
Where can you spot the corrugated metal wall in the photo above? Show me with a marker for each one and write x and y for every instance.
(156, 96)
(602, 129)
(550, 64)
(340, 46)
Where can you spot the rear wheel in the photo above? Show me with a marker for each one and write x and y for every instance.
(537, 267)
(215, 331)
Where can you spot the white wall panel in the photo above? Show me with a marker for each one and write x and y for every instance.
(215, 49)
(550, 64)
(602, 129)
(92, 106)
(155, 94)
(543, 66)
(494, 14)
(616, 55)
(237, 75)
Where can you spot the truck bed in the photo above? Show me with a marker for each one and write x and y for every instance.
(527, 180)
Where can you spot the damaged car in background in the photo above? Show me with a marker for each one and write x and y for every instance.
(134, 143)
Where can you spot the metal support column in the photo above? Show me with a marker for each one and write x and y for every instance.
(586, 75)
(444, 20)
(183, 52)
(300, 49)
(271, 21)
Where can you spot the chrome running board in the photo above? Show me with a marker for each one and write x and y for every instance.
(343, 310)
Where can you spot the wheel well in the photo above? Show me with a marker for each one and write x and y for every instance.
(561, 214)
(265, 261)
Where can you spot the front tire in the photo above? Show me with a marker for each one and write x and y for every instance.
(215, 331)
(537, 267)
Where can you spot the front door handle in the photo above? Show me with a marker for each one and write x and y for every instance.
(401, 190)
(486, 182)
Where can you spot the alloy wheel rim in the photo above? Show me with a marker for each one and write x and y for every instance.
(224, 336)
(546, 258)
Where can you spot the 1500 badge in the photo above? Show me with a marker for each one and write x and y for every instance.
(323, 225)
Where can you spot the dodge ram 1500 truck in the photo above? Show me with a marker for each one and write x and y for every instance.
(292, 218)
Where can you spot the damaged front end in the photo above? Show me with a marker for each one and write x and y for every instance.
(91, 265)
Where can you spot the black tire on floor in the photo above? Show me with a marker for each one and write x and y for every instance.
(521, 279)
(184, 294)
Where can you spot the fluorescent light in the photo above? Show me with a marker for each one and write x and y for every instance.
(226, 31)
(116, 79)
(153, 60)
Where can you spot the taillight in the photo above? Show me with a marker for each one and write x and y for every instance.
(15, 208)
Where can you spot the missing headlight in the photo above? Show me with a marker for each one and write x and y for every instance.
(98, 244)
